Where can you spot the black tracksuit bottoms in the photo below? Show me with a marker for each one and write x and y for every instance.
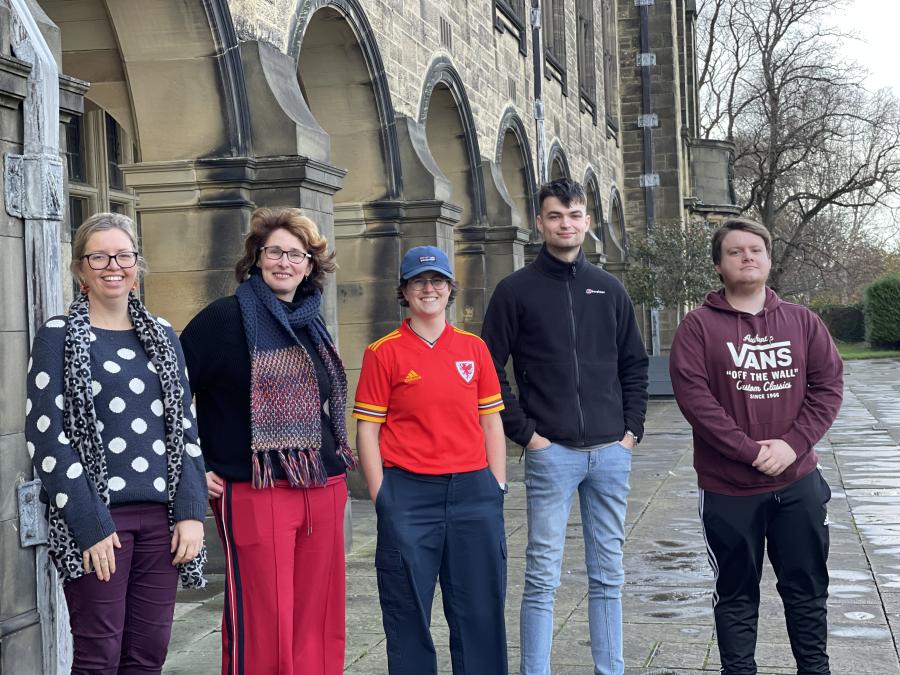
(792, 524)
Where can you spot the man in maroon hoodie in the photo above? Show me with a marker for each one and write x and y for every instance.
(760, 382)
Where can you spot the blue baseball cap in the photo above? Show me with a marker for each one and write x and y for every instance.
(424, 259)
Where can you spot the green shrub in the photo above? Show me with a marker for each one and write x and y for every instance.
(882, 311)
(672, 266)
(845, 322)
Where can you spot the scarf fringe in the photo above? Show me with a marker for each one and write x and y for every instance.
(263, 473)
(303, 468)
(346, 454)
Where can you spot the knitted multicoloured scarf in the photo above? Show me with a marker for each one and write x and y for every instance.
(285, 410)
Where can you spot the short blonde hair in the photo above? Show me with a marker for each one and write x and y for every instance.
(100, 222)
(744, 225)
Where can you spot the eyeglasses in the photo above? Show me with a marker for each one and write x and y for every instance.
(437, 283)
(100, 261)
(275, 253)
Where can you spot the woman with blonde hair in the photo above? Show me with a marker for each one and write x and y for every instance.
(113, 439)
(271, 393)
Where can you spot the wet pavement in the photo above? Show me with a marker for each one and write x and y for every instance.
(667, 607)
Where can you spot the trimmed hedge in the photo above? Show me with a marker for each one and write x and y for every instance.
(882, 312)
(845, 322)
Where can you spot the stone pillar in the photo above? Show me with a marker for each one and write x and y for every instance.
(20, 622)
(194, 215)
(34, 99)
(486, 253)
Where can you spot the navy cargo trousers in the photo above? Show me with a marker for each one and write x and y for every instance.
(447, 527)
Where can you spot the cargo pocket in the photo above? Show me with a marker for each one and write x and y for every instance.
(394, 590)
(503, 554)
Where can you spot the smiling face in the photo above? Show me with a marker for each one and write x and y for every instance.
(745, 263)
(426, 302)
(113, 282)
(563, 227)
(282, 275)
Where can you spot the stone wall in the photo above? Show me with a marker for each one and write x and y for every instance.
(408, 34)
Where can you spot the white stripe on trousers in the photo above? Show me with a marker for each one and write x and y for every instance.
(710, 556)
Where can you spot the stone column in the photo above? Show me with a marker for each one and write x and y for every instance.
(194, 215)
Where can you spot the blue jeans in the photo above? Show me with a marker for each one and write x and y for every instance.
(552, 475)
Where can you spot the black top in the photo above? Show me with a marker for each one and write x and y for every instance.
(578, 356)
(218, 361)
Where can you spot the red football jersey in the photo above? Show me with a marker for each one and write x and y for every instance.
(429, 399)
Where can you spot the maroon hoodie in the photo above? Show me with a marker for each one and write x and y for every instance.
(739, 378)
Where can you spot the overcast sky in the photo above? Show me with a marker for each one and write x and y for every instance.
(876, 22)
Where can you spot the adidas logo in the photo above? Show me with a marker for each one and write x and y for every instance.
(412, 376)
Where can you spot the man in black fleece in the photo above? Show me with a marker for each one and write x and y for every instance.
(581, 371)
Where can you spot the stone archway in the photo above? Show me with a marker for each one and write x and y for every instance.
(557, 162)
(169, 72)
(452, 140)
(342, 79)
(594, 243)
(511, 194)
(615, 236)
(156, 68)
(513, 155)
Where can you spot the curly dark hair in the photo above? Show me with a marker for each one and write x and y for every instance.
(265, 221)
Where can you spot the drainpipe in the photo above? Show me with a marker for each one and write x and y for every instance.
(537, 52)
(647, 121)
(33, 188)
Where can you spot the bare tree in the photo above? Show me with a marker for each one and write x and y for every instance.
(815, 150)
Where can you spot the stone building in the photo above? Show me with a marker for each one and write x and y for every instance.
(392, 123)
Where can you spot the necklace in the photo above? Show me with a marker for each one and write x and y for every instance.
(424, 339)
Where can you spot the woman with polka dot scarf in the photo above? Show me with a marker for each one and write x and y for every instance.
(112, 435)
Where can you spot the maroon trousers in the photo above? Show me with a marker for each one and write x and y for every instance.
(284, 578)
(123, 625)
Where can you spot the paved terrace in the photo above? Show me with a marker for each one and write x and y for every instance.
(667, 609)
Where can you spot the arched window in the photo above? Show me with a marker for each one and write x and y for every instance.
(587, 74)
(595, 211)
(610, 65)
(97, 147)
(554, 34)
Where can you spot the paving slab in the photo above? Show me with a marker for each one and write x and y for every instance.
(667, 602)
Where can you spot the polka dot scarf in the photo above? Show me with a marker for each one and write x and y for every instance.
(80, 425)
(285, 409)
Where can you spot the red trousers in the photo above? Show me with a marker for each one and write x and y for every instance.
(284, 578)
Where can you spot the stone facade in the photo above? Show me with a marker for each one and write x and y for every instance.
(392, 123)
(694, 177)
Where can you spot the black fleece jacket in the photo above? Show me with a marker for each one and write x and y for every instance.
(578, 357)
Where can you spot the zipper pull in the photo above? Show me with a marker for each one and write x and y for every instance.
(574, 269)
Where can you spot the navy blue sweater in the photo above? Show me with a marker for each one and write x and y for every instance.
(129, 409)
